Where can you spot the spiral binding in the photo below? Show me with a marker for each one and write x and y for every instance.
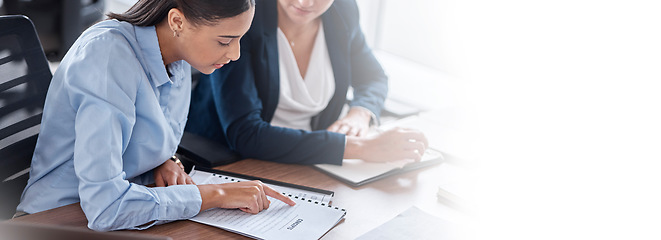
(310, 201)
(315, 202)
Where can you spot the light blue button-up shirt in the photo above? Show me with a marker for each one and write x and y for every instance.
(112, 114)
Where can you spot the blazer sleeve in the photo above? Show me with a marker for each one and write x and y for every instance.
(239, 112)
(368, 79)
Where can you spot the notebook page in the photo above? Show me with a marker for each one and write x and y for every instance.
(305, 220)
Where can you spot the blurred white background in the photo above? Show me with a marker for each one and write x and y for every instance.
(567, 99)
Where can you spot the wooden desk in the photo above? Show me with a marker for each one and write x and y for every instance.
(367, 207)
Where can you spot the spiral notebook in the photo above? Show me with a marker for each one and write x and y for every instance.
(356, 172)
(310, 218)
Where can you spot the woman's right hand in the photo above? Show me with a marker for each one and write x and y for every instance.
(392, 145)
(249, 196)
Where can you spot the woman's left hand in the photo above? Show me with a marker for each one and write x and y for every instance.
(171, 173)
(355, 123)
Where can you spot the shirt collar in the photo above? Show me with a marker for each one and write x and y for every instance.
(148, 42)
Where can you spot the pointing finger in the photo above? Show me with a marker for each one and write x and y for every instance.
(275, 194)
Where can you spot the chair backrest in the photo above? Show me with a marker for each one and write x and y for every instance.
(58, 22)
(24, 79)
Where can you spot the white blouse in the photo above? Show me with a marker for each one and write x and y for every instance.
(302, 98)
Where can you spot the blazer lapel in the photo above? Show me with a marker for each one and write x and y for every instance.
(337, 40)
(270, 58)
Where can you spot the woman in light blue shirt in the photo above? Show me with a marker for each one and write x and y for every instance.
(116, 109)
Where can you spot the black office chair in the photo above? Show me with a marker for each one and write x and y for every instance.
(24, 79)
(58, 22)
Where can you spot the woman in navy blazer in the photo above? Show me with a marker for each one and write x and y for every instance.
(234, 106)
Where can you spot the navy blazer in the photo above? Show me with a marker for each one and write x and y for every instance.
(235, 104)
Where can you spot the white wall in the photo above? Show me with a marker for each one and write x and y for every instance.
(119, 6)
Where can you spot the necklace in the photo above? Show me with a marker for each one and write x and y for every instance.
(291, 43)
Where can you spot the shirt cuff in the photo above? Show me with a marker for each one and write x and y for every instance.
(178, 202)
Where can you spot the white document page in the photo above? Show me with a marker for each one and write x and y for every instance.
(202, 177)
(415, 224)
